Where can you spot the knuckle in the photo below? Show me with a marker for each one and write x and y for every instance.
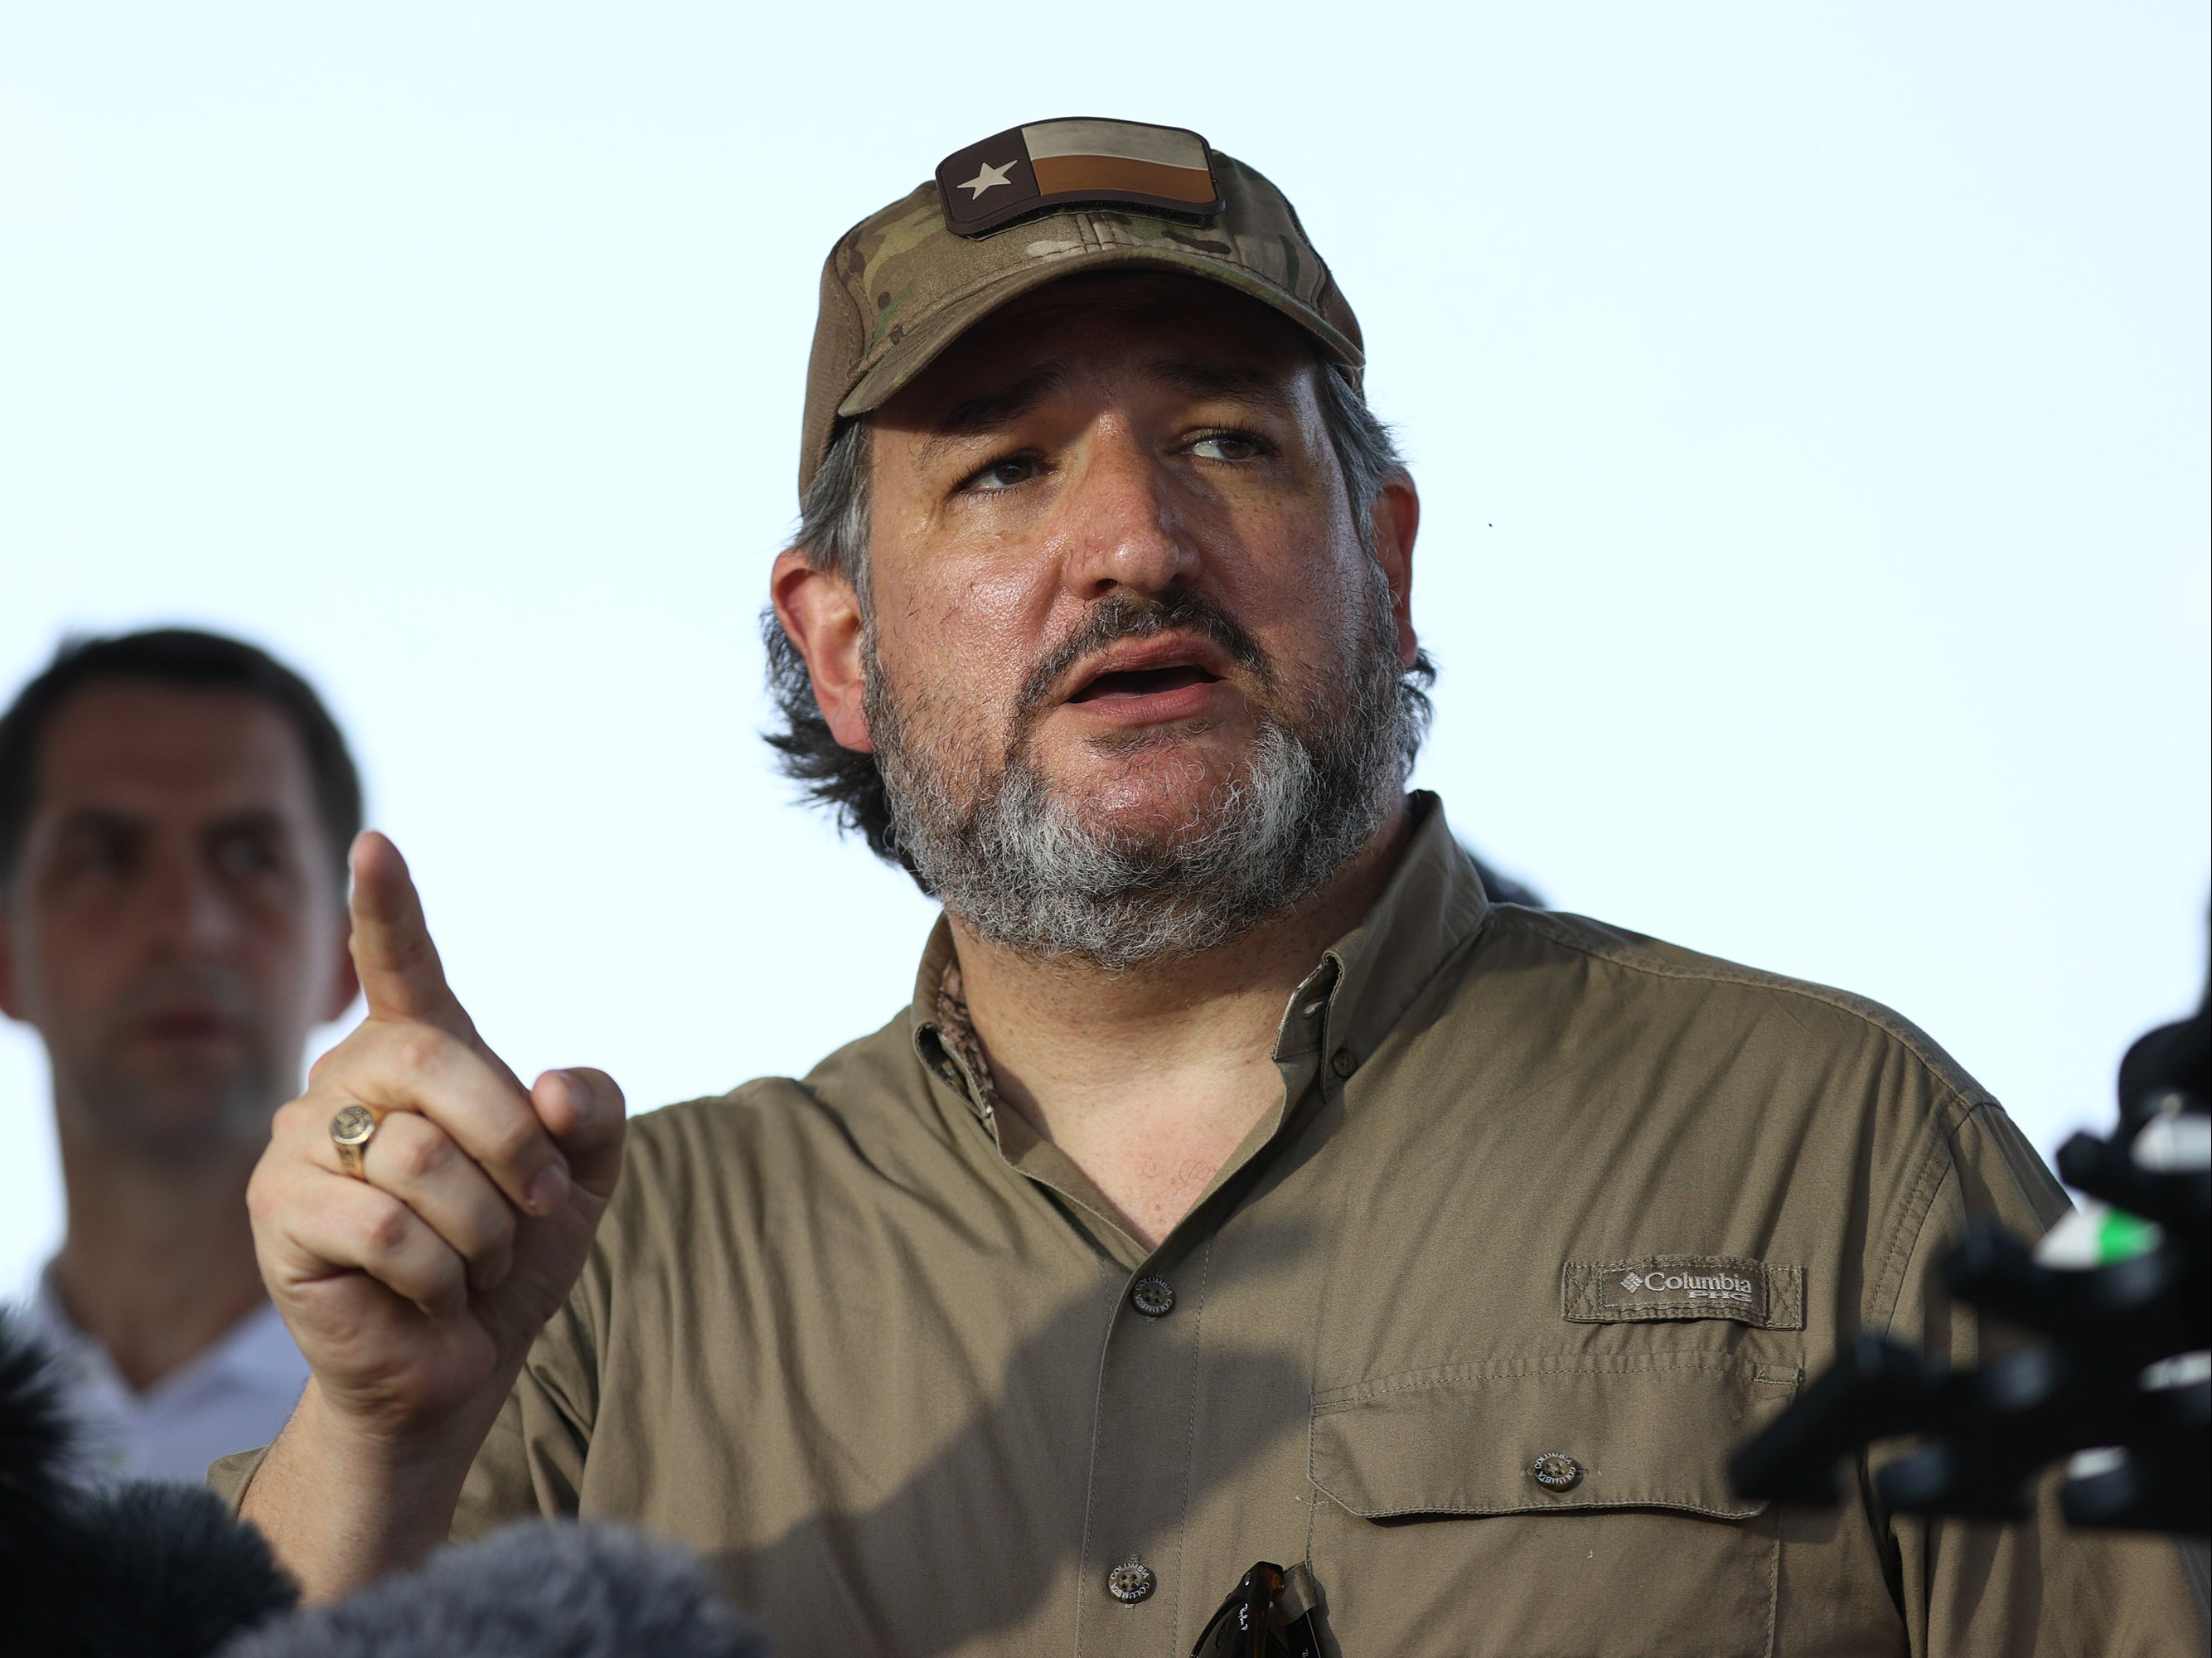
(303, 1118)
(419, 1152)
(516, 1142)
(496, 1228)
(385, 1233)
(272, 1191)
(260, 1198)
(419, 1050)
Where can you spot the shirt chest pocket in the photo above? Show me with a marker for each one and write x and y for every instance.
(1563, 1507)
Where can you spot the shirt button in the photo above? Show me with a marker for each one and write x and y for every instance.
(1555, 1471)
(1153, 1297)
(1342, 1063)
(1129, 1583)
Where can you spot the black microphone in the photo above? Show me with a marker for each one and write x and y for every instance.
(143, 1569)
(538, 1589)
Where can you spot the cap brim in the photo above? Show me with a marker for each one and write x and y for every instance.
(908, 356)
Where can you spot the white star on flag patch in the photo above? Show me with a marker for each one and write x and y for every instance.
(988, 178)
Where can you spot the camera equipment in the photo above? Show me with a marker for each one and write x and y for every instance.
(2118, 1376)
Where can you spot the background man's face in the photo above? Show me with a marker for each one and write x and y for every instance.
(1104, 441)
(173, 927)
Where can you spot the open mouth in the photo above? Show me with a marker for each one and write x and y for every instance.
(187, 1024)
(1144, 682)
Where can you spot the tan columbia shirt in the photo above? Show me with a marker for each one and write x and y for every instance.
(1536, 1189)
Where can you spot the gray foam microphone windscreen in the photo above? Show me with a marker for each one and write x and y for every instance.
(538, 1590)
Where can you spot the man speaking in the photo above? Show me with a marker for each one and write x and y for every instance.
(1246, 1208)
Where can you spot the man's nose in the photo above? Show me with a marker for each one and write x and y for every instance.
(187, 911)
(1126, 526)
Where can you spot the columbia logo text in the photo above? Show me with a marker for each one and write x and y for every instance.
(1695, 1286)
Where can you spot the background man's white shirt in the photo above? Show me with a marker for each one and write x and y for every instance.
(233, 1397)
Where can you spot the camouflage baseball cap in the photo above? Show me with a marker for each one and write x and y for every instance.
(1082, 195)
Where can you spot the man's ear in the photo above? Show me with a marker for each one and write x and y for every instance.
(820, 614)
(10, 1003)
(1397, 514)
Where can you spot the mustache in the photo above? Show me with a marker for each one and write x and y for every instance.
(161, 987)
(1128, 616)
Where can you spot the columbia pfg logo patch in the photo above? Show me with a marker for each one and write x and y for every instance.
(1684, 1287)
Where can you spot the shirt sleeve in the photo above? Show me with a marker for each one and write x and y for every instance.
(228, 1477)
(531, 1464)
(2039, 1587)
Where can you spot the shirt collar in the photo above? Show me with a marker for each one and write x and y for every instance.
(50, 1321)
(1366, 980)
(942, 1053)
(254, 1350)
(1433, 905)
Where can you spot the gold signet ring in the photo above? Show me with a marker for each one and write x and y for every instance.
(351, 1127)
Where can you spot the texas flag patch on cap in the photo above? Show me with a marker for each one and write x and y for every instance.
(1049, 164)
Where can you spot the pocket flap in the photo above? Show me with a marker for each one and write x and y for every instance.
(1651, 1430)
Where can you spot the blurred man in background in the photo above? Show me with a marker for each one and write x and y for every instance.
(174, 810)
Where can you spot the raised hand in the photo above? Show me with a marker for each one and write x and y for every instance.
(415, 1288)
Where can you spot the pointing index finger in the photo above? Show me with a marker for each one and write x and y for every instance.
(400, 974)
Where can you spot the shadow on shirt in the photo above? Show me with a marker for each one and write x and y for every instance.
(1023, 1503)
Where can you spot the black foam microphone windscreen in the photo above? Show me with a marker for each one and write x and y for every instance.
(142, 1569)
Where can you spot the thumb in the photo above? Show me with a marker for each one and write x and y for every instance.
(400, 974)
(582, 1109)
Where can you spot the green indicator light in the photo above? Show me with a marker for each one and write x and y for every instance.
(2122, 1237)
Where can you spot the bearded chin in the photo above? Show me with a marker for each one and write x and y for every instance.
(1028, 869)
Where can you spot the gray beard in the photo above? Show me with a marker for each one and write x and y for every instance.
(1017, 864)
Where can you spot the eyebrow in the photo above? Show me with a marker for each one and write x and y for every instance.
(1229, 381)
(108, 820)
(1195, 377)
(254, 819)
(987, 413)
(100, 819)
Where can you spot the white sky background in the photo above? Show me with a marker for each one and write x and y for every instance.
(1809, 403)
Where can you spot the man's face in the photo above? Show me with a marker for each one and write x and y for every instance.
(1115, 437)
(173, 927)
(1119, 602)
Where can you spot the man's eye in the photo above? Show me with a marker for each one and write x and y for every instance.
(96, 851)
(1227, 446)
(246, 855)
(1005, 474)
